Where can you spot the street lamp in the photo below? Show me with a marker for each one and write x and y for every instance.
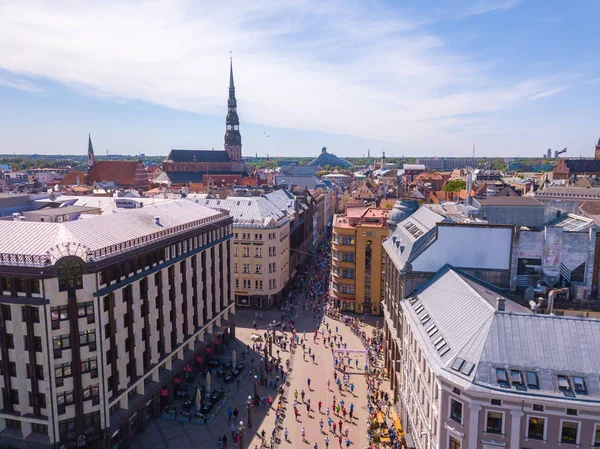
(241, 430)
(256, 386)
(249, 407)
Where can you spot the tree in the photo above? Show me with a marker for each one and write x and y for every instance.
(455, 185)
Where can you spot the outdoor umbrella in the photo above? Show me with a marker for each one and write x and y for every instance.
(208, 382)
(198, 399)
(233, 358)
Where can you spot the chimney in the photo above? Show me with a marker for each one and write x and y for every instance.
(157, 220)
(500, 304)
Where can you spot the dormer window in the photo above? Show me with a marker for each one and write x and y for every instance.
(501, 376)
(579, 385)
(532, 379)
(516, 377)
(563, 383)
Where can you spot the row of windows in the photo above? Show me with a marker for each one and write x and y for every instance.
(248, 236)
(536, 425)
(10, 343)
(530, 379)
(132, 266)
(61, 313)
(64, 341)
(343, 239)
(13, 286)
(7, 313)
(258, 284)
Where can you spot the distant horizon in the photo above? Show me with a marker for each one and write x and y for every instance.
(430, 78)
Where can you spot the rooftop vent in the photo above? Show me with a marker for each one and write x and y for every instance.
(500, 304)
(157, 220)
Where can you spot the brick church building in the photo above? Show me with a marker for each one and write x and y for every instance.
(185, 168)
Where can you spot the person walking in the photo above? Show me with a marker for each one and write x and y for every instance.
(286, 432)
(326, 442)
(303, 434)
(321, 425)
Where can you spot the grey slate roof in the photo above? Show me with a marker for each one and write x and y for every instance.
(306, 182)
(100, 236)
(412, 236)
(249, 212)
(200, 155)
(464, 313)
(283, 199)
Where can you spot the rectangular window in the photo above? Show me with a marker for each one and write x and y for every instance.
(569, 432)
(597, 436)
(536, 428)
(59, 313)
(87, 337)
(456, 409)
(501, 376)
(579, 385)
(563, 383)
(494, 422)
(13, 424)
(454, 443)
(85, 309)
(61, 342)
(532, 379)
(39, 428)
(88, 365)
(516, 377)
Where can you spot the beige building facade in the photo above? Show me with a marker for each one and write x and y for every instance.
(261, 249)
(98, 318)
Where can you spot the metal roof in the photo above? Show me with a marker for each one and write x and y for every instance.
(456, 321)
(572, 222)
(509, 201)
(99, 237)
(412, 236)
(249, 211)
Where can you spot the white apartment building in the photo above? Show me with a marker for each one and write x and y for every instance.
(479, 371)
(261, 250)
(99, 316)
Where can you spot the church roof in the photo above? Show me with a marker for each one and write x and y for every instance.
(583, 165)
(186, 177)
(326, 158)
(122, 173)
(200, 155)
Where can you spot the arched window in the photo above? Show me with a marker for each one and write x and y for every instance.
(69, 276)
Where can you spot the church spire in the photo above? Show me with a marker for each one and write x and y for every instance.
(90, 152)
(233, 139)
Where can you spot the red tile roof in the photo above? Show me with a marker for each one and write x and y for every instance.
(122, 173)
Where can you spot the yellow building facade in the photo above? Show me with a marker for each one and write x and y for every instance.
(357, 259)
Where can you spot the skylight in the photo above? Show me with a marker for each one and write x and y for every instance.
(467, 368)
(516, 377)
(532, 379)
(579, 385)
(457, 364)
(501, 376)
(563, 383)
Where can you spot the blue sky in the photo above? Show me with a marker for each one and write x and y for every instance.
(424, 78)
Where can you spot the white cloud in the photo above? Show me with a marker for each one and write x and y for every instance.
(342, 67)
(550, 92)
(19, 83)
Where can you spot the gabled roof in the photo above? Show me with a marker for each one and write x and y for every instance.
(200, 155)
(122, 173)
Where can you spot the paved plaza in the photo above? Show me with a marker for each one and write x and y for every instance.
(162, 433)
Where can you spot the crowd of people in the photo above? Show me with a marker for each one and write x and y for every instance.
(309, 299)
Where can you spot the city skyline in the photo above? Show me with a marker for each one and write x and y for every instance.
(414, 81)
